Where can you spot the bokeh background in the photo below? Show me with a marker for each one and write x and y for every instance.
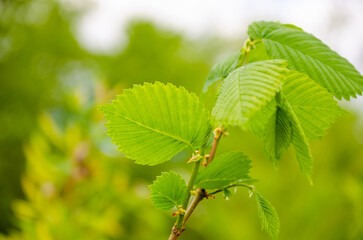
(61, 178)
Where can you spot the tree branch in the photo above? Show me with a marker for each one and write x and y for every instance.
(201, 194)
(175, 233)
(179, 227)
(218, 133)
(250, 187)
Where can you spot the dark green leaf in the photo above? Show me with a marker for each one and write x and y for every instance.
(278, 135)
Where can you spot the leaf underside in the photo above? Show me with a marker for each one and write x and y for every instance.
(154, 122)
(314, 106)
(306, 112)
(301, 146)
(278, 135)
(168, 190)
(225, 170)
(246, 90)
(307, 54)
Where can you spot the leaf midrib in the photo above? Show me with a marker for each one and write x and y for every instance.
(189, 144)
(313, 107)
(168, 198)
(342, 74)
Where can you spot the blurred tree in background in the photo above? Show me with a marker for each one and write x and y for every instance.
(60, 178)
(40, 62)
(35, 43)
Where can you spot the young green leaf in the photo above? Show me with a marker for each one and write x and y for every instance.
(258, 121)
(258, 53)
(246, 90)
(154, 122)
(168, 190)
(225, 170)
(267, 214)
(221, 69)
(227, 194)
(301, 145)
(306, 112)
(313, 106)
(307, 54)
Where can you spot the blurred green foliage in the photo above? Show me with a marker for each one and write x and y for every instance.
(31, 56)
(61, 178)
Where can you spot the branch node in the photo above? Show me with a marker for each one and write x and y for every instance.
(205, 160)
(195, 158)
(218, 133)
(180, 211)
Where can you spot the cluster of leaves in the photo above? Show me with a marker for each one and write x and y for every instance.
(285, 93)
(31, 52)
(154, 122)
(280, 86)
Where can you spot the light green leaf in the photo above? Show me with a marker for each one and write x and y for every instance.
(267, 214)
(278, 135)
(288, 123)
(260, 119)
(307, 54)
(313, 106)
(292, 26)
(168, 190)
(258, 53)
(154, 122)
(225, 170)
(307, 110)
(246, 90)
(221, 69)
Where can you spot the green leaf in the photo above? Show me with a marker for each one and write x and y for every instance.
(292, 26)
(267, 214)
(313, 106)
(278, 135)
(260, 119)
(154, 122)
(307, 54)
(258, 53)
(301, 146)
(221, 69)
(168, 190)
(227, 194)
(246, 90)
(270, 126)
(224, 170)
(305, 112)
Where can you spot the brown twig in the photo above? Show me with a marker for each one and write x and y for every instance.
(182, 219)
(175, 233)
(201, 194)
(218, 133)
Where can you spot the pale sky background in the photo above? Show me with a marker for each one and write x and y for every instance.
(339, 23)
